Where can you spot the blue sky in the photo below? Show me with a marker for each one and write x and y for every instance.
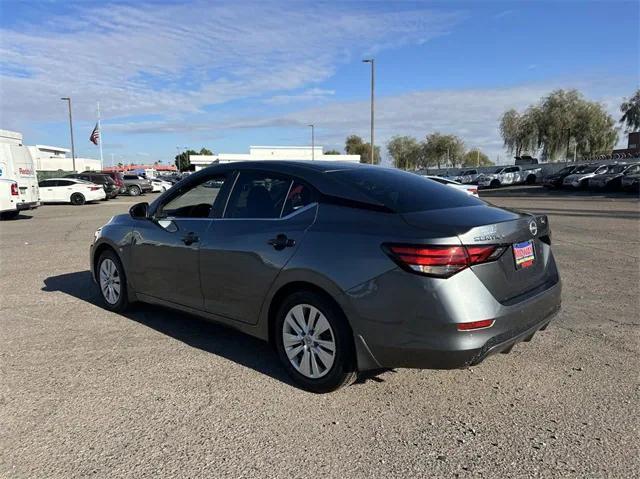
(227, 75)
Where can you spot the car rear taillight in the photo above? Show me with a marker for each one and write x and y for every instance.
(14, 189)
(473, 191)
(442, 261)
(95, 188)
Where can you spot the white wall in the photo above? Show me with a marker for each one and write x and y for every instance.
(259, 153)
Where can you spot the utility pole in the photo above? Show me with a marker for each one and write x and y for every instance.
(478, 157)
(372, 61)
(73, 148)
(313, 143)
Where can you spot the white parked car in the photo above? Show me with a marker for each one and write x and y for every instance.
(160, 185)
(469, 189)
(509, 175)
(70, 190)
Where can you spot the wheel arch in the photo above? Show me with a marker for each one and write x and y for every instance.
(288, 289)
(107, 246)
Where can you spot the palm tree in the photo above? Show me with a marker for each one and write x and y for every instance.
(631, 112)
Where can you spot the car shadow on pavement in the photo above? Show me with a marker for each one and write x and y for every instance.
(192, 330)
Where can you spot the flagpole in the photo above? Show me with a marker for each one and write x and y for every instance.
(100, 138)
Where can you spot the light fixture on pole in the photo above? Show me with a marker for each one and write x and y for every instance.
(372, 61)
(73, 148)
(313, 142)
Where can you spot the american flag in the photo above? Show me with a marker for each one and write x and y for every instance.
(95, 135)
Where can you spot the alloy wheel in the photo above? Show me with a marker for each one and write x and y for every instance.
(109, 281)
(309, 341)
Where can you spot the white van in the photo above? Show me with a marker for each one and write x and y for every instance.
(18, 181)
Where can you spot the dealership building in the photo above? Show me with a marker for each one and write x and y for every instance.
(261, 153)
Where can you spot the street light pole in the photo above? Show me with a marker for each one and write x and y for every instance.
(372, 61)
(313, 143)
(73, 149)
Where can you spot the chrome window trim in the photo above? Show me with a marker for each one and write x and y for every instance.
(300, 210)
(285, 197)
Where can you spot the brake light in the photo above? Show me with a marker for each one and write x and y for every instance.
(474, 191)
(485, 323)
(14, 189)
(442, 261)
(94, 188)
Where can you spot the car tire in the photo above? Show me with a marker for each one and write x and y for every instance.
(112, 282)
(297, 328)
(494, 184)
(134, 190)
(531, 179)
(78, 199)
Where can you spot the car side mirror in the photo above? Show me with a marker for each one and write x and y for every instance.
(139, 210)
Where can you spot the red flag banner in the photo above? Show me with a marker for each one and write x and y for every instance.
(95, 135)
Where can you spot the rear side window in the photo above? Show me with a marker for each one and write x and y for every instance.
(47, 183)
(66, 183)
(258, 195)
(404, 192)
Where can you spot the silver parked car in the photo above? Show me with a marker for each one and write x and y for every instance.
(342, 267)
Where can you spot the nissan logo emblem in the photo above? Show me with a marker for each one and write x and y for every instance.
(533, 227)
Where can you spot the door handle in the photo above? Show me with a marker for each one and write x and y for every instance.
(190, 238)
(281, 242)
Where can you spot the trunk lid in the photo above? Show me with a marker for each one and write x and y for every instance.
(489, 225)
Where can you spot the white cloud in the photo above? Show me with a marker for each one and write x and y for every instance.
(472, 114)
(152, 59)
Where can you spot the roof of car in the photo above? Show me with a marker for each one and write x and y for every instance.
(313, 172)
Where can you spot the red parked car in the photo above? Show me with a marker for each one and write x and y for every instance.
(116, 176)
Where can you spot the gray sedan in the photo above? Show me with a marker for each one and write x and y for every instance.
(342, 267)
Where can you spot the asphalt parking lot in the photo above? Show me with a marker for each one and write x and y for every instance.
(85, 392)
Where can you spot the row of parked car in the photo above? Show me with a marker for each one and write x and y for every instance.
(79, 188)
(616, 176)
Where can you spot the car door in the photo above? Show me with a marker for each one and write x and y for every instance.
(48, 190)
(263, 224)
(165, 248)
(64, 190)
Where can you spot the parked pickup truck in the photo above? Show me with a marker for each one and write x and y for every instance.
(509, 175)
(467, 177)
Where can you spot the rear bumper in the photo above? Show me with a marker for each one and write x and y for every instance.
(459, 357)
(416, 326)
(27, 206)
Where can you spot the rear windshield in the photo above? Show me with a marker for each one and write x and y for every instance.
(405, 192)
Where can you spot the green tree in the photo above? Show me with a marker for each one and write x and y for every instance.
(182, 160)
(406, 152)
(474, 158)
(440, 149)
(205, 151)
(520, 131)
(631, 113)
(355, 146)
(332, 152)
(559, 120)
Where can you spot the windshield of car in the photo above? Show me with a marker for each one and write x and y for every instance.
(566, 169)
(497, 170)
(588, 169)
(617, 168)
(468, 172)
(404, 192)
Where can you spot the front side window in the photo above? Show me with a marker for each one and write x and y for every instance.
(258, 195)
(196, 201)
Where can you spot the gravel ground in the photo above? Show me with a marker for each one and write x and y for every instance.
(85, 392)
